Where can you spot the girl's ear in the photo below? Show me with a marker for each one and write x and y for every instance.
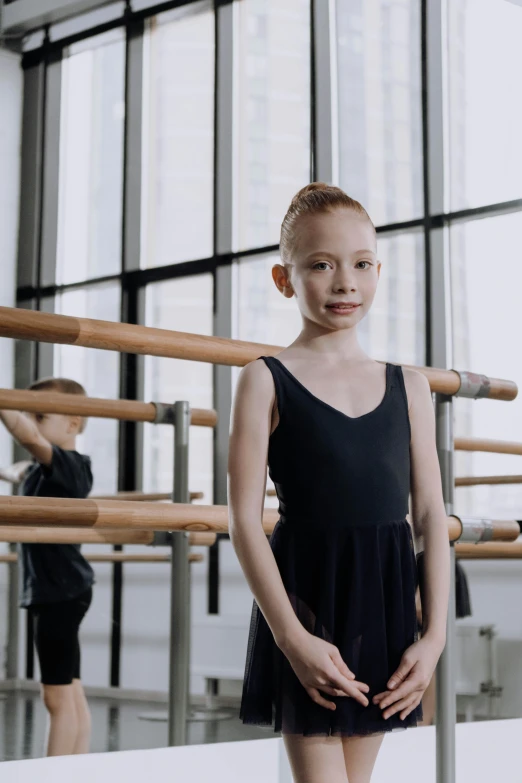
(281, 277)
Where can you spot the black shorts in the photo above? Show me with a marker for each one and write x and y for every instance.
(56, 627)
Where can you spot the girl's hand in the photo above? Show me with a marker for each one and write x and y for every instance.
(15, 473)
(319, 667)
(408, 683)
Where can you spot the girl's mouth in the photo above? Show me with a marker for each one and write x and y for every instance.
(342, 309)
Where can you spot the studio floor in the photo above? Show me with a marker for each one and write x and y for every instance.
(117, 725)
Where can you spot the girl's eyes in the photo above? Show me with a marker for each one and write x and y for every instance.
(320, 263)
(324, 264)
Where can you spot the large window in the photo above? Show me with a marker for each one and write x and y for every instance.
(264, 315)
(394, 329)
(485, 105)
(379, 106)
(91, 159)
(273, 115)
(185, 305)
(98, 372)
(486, 280)
(178, 136)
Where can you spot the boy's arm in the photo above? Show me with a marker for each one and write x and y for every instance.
(15, 473)
(26, 433)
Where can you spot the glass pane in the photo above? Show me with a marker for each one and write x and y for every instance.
(185, 305)
(264, 315)
(91, 159)
(98, 372)
(273, 115)
(484, 99)
(379, 106)
(395, 327)
(178, 136)
(486, 299)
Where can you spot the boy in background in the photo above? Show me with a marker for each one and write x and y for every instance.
(56, 580)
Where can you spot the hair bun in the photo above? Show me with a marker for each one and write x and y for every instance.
(313, 199)
(313, 187)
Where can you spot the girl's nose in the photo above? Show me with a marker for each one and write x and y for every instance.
(344, 282)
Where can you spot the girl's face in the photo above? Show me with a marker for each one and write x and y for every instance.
(333, 270)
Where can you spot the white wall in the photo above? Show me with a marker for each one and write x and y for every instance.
(10, 138)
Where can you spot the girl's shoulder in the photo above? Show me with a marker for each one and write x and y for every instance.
(255, 381)
(417, 386)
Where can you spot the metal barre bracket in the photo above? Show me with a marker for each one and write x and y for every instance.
(161, 538)
(164, 413)
(475, 530)
(473, 385)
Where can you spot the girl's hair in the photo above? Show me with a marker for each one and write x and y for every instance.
(63, 385)
(313, 199)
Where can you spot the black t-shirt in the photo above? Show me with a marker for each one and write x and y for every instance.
(55, 572)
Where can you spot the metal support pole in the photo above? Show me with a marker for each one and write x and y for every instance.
(13, 636)
(446, 696)
(179, 663)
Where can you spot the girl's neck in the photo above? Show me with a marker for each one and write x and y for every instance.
(341, 343)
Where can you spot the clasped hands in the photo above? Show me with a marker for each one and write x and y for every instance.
(321, 670)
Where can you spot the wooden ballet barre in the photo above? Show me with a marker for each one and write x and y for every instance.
(75, 535)
(489, 551)
(474, 481)
(144, 496)
(117, 557)
(131, 338)
(92, 407)
(114, 514)
(492, 446)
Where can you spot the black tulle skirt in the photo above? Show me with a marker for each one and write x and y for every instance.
(354, 587)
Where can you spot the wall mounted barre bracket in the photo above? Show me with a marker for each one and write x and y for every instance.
(164, 413)
(475, 530)
(473, 385)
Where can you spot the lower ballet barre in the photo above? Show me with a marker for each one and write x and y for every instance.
(117, 557)
(490, 551)
(143, 496)
(75, 535)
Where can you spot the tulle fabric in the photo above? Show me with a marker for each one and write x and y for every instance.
(355, 588)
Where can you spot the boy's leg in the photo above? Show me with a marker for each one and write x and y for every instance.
(56, 638)
(83, 737)
(83, 714)
(63, 723)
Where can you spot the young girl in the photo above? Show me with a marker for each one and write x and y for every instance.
(333, 657)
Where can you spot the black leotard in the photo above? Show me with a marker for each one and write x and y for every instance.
(345, 553)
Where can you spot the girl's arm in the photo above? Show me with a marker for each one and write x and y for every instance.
(247, 466)
(317, 663)
(408, 683)
(428, 510)
(27, 434)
